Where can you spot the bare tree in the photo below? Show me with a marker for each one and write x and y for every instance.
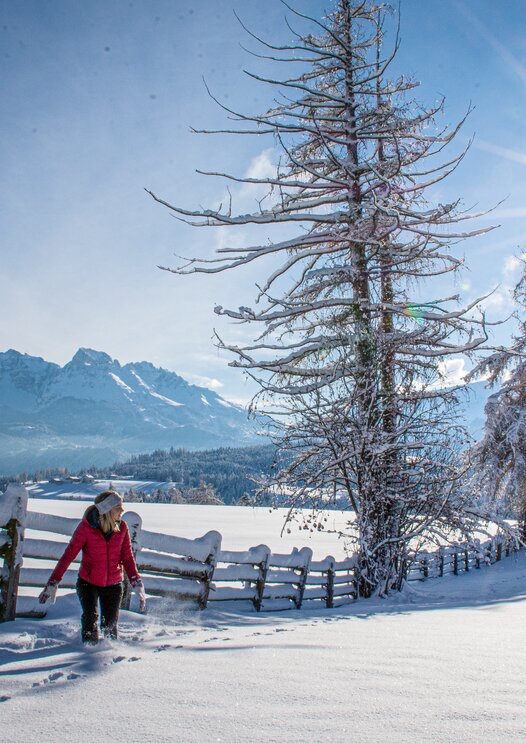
(347, 361)
(499, 459)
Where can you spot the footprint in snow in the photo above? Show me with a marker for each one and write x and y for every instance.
(73, 676)
(118, 659)
(4, 698)
(52, 678)
(167, 647)
(133, 659)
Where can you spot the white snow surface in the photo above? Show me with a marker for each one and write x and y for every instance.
(441, 661)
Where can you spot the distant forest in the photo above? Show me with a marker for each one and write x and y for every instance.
(230, 471)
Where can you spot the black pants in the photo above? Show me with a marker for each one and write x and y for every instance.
(110, 601)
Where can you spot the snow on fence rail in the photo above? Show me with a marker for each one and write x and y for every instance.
(198, 571)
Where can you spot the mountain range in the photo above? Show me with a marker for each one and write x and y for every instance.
(95, 411)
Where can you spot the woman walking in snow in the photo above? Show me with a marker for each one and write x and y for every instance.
(105, 543)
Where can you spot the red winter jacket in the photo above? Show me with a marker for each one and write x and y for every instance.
(102, 559)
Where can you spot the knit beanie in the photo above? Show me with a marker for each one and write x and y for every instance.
(108, 503)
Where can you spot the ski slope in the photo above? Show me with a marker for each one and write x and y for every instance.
(442, 661)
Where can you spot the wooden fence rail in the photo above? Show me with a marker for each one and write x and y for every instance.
(199, 572)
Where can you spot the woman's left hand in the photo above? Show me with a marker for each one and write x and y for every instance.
(138, 589)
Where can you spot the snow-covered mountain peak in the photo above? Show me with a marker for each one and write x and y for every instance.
(89, 357)
(12, 359)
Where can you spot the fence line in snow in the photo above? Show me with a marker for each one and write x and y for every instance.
(198, 571)
(460, 558)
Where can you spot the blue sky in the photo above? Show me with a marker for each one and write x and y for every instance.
(98, 100)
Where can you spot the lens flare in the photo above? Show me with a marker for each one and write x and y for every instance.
(414, 311)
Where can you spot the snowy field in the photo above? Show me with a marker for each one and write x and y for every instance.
(241, 527)
(88, 490)
(442, 661)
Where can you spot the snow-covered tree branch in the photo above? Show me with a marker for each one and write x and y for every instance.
(499, 460)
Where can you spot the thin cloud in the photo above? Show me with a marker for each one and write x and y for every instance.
(452, 372)
(505, 152)
(509, 213)
(503, 52)
(262, 166)
(511, 264)
(201, 381)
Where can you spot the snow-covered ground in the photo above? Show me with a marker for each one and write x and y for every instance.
(442, 661)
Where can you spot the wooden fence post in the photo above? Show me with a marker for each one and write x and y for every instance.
(466, 559)
(13, 508)
(304, 574)
(425, 565)
(441, 562)
(260, 583)
(498, 550)
(214, 537)
(455, 562)
(134, 523)
(329, 586)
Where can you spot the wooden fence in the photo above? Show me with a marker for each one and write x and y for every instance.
(460, 558)
(197, 571)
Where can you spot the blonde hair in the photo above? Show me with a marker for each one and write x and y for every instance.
(106, 521)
